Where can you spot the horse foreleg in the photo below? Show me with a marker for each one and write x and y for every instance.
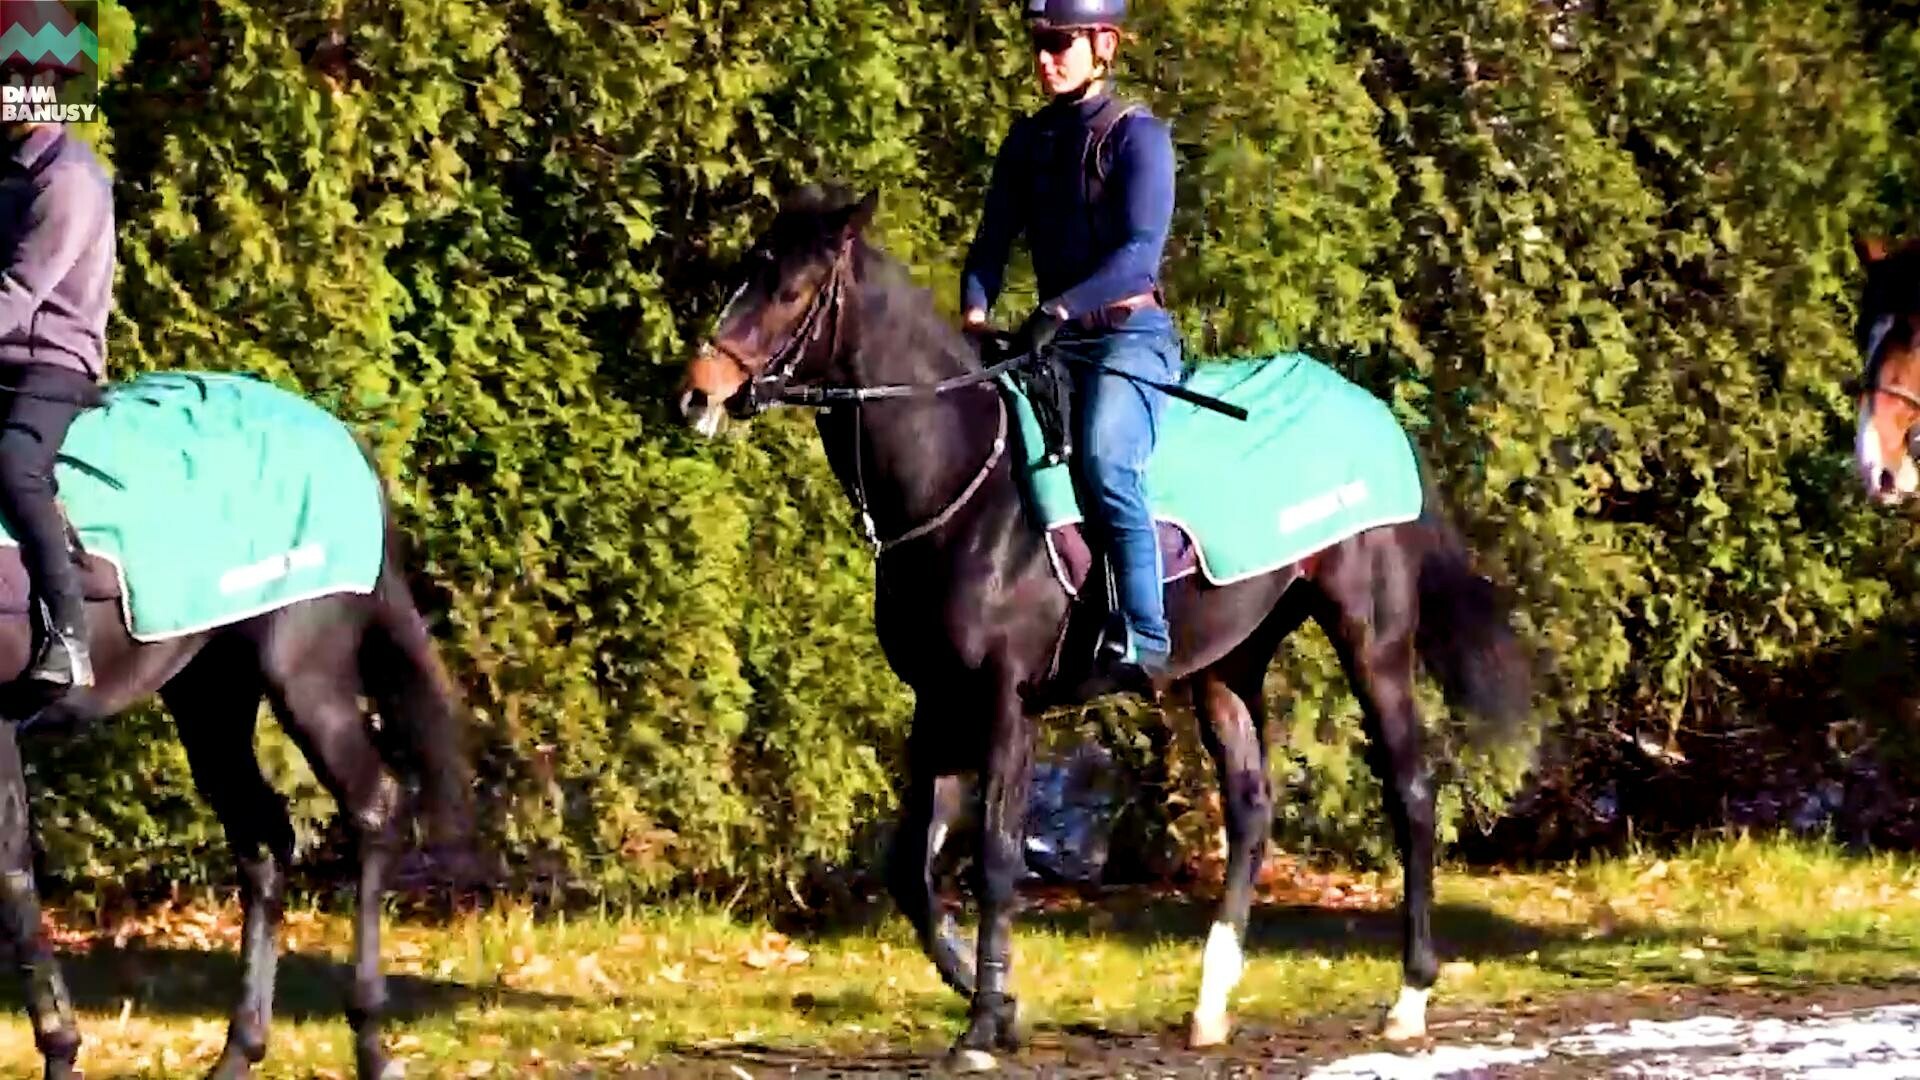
(48, 1003)
(1003, 805)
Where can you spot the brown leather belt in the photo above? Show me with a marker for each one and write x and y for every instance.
(1116, 313)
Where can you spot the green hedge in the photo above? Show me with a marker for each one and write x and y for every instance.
(1598, 262)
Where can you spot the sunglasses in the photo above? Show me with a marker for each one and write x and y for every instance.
(1055, 41)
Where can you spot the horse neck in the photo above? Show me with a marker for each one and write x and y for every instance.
(911, 458)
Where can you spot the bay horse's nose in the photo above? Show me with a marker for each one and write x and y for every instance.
(1883, 480)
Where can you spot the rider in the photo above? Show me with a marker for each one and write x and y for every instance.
(57, 238)
(1096, 247)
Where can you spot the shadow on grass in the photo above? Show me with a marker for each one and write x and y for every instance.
(1461, 931)
(170, 982)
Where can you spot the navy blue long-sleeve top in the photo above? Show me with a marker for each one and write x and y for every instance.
(1083, 260)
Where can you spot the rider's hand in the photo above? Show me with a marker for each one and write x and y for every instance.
(1038, 331)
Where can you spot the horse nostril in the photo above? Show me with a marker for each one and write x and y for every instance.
(693, 401)
(1885, 479)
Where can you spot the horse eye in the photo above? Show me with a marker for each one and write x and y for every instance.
(789, 295)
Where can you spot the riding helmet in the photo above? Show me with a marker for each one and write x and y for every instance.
(1075, 14)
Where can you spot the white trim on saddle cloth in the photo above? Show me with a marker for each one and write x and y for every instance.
(299, 557)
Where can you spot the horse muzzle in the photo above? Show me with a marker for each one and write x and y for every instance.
(704, 414)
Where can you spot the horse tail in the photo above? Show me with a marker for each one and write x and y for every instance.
(417, 696)
(1465, 642)
(420, 706)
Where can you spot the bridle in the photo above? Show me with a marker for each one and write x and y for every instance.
(1876, 338)
(823, 315)
(823, 310)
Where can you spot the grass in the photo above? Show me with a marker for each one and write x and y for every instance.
(511, 992)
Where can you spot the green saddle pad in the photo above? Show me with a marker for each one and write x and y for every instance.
(218, 497)
(1318, 459)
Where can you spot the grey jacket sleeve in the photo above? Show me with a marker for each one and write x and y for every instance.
(70, 205)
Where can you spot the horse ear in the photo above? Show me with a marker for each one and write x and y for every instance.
(1870, 249)
(860, 215)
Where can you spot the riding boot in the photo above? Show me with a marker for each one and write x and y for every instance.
(65, 659)
(1127, 668)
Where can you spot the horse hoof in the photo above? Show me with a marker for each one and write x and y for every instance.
(1408, 1017)
(1398, 1030)
(969, 1060)
(1204, 1031)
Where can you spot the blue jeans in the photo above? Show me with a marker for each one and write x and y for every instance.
(1117, 421)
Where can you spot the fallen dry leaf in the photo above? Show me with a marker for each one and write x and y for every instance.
(775, 950)
(588, 966)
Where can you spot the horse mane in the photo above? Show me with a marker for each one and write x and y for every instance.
(827, 198)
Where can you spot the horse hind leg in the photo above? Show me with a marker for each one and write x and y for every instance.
(1374, 635)
(314, 683)
(1227, 703)
(215, 703)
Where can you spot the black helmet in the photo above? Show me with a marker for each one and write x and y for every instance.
(1075, 14)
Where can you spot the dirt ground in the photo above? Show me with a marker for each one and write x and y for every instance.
(1295, 1051)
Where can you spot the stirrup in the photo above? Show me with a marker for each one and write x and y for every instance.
(63, 661)
(76, 673)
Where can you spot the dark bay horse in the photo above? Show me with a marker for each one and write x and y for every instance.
(313, 661)
(968, 609)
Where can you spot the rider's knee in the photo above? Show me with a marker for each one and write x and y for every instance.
(19, 451)
(1116, 481)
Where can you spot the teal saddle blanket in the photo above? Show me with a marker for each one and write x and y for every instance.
(217, 497)
(1318, 459)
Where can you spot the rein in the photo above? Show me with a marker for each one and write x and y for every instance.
(881, 547)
